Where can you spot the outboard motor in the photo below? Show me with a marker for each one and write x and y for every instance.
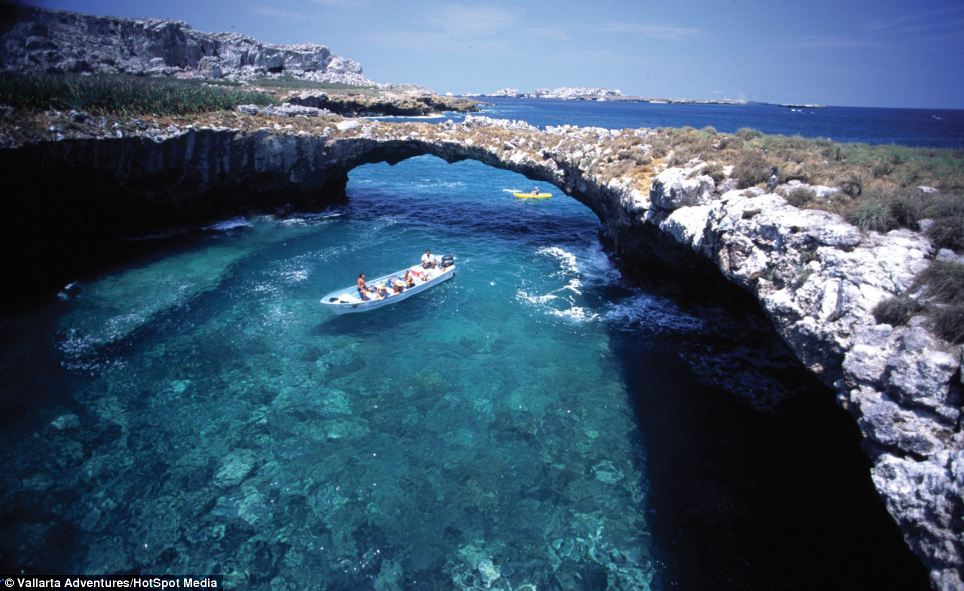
(447, 261)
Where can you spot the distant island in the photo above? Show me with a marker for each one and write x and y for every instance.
(581, 93)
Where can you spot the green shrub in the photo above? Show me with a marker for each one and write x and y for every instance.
(943, 281)
(907, 208)
(121, 94)
(747, 133)
(948, 322)
(714, 171)
(940, 205)
(800, 196)
(299, 84)
(851, 184)
(947, 232)
(871, 215)
(881, 169)
(896, 311)
(751, 168)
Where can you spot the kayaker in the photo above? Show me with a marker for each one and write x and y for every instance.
(535, 190)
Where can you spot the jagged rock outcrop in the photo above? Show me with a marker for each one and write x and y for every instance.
(819, 279)
(816, 276)
(55, 41)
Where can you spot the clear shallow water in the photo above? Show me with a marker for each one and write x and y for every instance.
(936, 128)
(217, 420)
(537, 418)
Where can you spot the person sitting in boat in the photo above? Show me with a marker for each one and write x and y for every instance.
(409, 279)
(382, 290)
(428, 261)
(364, 290)
(535, 190)
(398, 285)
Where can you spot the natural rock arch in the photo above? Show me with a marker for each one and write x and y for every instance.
(814, 275)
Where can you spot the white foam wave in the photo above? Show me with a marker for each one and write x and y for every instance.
(229, 224)
(574, 285)
(575, 314)
(567, 260)
(652, 313)
(590, 264)
(577, 267)
(536, 299)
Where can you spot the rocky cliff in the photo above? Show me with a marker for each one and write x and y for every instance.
(814, 275)
(55, 41)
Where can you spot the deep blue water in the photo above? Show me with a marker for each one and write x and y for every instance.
(937, 128)
(538, 422)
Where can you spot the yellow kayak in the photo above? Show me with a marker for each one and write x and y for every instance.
(532, 195)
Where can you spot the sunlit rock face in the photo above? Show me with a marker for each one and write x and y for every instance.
(817, 277)
(56, 41)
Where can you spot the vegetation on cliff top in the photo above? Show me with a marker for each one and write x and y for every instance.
(881, 188)
(292, 83)
(122, 94)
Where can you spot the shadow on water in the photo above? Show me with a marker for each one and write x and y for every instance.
(744, 498)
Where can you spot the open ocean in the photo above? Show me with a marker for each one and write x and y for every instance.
(538, 422)
(935, 128)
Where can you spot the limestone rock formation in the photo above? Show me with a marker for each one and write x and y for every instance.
(56, 41)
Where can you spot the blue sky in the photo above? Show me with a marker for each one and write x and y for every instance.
(837, 52)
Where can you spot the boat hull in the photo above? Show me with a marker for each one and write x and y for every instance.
(340, 307)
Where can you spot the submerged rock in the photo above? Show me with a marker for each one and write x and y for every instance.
(235, 467)
(65, 422)
(488, 572)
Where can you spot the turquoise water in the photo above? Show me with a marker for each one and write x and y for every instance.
(219, 421)
(538, 422)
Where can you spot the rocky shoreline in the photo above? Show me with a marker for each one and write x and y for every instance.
(816, 276)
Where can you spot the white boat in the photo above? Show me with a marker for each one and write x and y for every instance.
(347, 301)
